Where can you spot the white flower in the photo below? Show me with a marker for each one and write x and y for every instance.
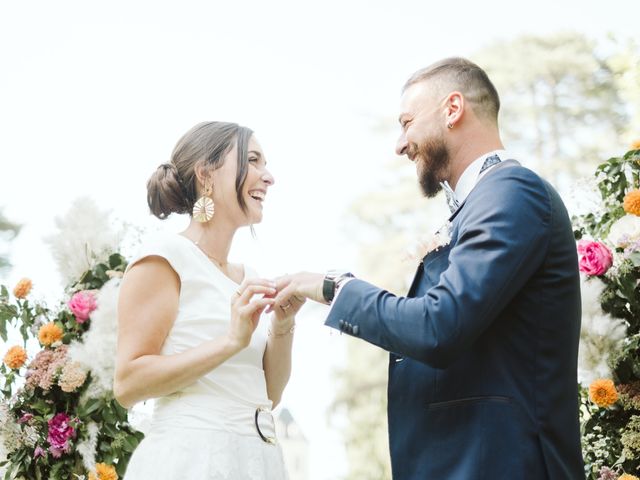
(600, 334)
(625, 231)
(98, 348)
(87, 447)
(10, 435)
(591, 289)
(428, 243)
(85, 237)
(38, 322)
(30, 436)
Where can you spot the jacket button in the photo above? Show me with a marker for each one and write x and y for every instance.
(356, 330)
(341, 324)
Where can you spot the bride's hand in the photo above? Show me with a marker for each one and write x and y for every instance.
(285, 311)
(246, 308)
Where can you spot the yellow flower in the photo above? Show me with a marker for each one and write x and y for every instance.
(104, 472)
(603, 392)
(49, 333)
(626, 476)
(635, 145)
(631, 202)
(15, 357)
(22, 288)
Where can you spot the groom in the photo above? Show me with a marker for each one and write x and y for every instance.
(483, 349)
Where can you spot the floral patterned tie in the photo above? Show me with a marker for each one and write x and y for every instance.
(489, 162)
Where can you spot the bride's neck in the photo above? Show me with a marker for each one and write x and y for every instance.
(214, 238)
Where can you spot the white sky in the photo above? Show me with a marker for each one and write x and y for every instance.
(94, 97)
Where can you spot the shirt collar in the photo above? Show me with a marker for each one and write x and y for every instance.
(471, 174)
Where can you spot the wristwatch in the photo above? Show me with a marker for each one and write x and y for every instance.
(332, 281)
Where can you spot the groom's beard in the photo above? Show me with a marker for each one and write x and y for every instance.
(432, 157)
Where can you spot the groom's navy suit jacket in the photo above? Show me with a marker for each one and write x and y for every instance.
(482, 371)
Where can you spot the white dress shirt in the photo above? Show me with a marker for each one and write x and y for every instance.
(472, 174)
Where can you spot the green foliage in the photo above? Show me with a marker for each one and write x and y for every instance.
(607, 433)
(116, 438)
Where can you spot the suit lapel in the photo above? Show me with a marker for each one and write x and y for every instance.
(420, 269)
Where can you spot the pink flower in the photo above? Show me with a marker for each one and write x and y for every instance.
(595, 258)
(39, 452)
(25, 418)
(42, 370)
(82, 304)
(60, 431)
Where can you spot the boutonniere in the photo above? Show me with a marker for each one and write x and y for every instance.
(429, 243)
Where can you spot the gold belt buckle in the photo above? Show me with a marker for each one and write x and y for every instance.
(265, 438)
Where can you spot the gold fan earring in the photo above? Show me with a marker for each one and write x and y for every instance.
(203, 208)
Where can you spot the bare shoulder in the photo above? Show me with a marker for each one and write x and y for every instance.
(147, 306)
(151, 273)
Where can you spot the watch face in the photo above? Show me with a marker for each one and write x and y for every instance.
(328, 287)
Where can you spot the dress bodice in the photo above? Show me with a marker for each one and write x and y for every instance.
(227, 397)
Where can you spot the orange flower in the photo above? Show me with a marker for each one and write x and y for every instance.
(603, 392)
(632, 202)
(15, 357)
(22, 288)
(635, 145)
(104, 472)
(49, 333)
(626, 476)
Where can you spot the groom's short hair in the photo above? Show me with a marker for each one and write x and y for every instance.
(460, 74)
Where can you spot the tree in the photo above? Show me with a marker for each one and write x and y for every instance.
(560, 101)
(625, 65)
(8, 231)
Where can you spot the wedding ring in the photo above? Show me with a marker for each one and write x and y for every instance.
(284, 307)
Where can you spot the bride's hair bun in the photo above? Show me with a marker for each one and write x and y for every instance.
(165, 193)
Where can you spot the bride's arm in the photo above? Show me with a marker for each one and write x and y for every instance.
(147, 308)
(277, 359)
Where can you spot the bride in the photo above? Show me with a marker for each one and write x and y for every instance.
(189, 329)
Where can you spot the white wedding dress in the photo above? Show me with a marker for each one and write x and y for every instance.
(208, 430)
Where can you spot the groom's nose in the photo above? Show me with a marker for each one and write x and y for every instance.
(401, 145)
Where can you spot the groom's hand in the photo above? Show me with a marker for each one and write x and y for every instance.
(305, 284)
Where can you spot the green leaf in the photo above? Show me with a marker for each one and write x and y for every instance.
(90, 407)
(635, 258)
(116, 260)
(108, 415)
(3, 329)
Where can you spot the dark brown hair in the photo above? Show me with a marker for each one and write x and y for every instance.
(465, 76)
(172, 188)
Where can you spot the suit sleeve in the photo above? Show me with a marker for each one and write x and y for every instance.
(502, 241)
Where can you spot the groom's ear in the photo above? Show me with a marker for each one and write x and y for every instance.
(454, 107)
